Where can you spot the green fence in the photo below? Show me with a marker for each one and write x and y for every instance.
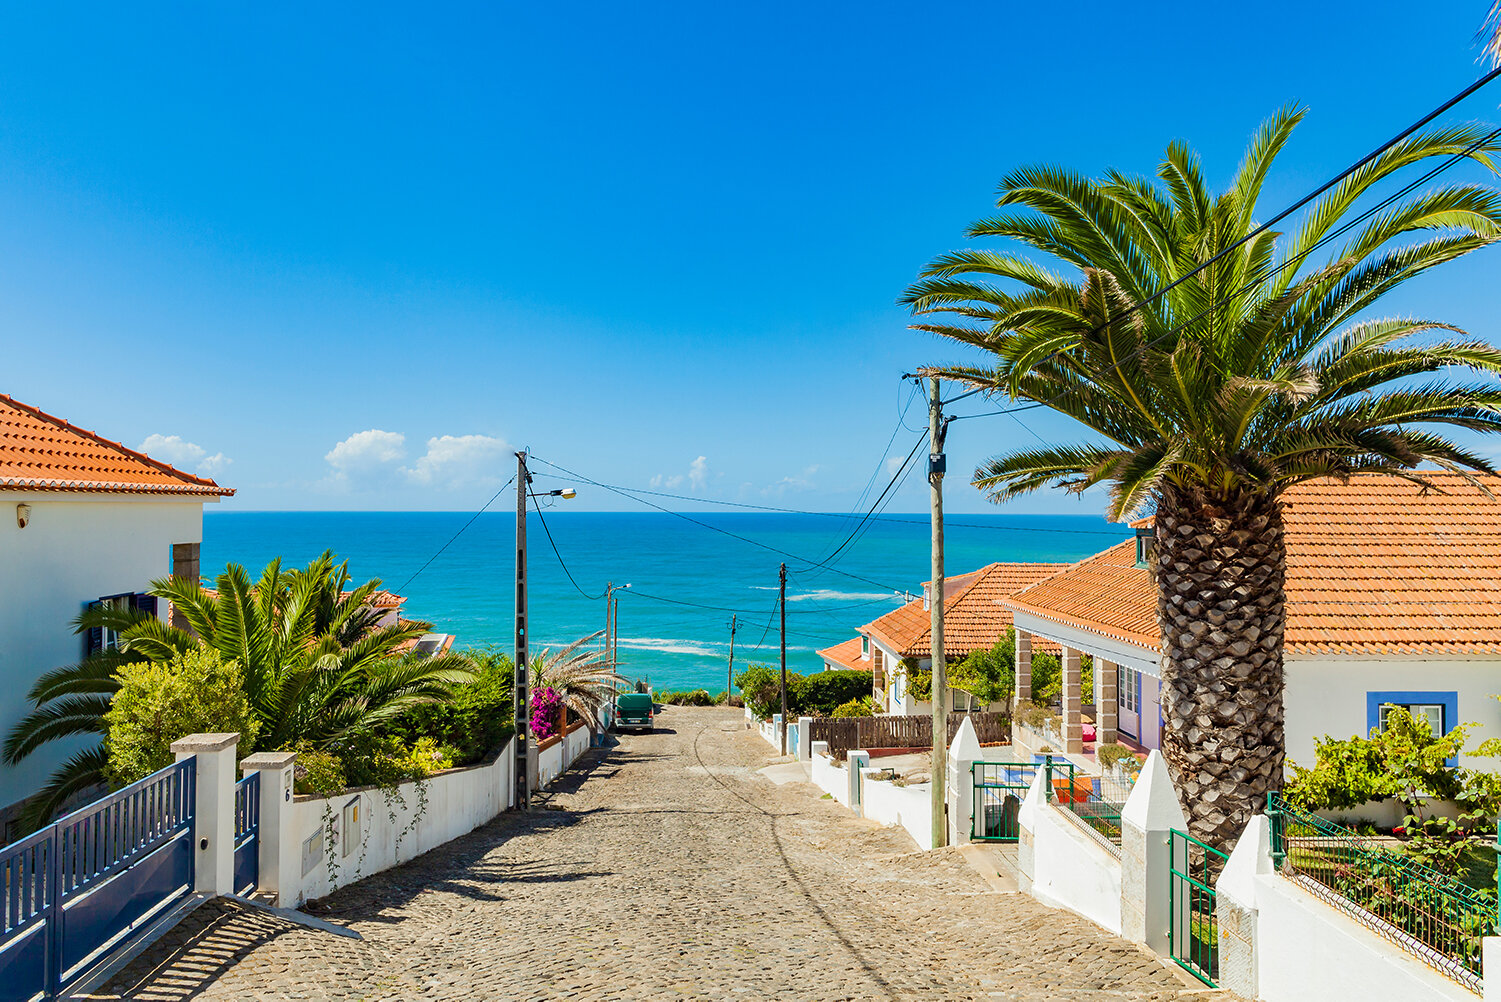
(1095, 801)
(1438, 918)
(1000, 788)
(1193, 932)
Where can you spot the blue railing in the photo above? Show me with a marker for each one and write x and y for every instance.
(247, 833)
(85, 883)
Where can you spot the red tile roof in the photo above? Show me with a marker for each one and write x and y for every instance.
(1375, 566)
(846, 655)
(973, 617)
(42, 452)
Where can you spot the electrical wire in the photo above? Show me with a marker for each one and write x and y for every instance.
(561, 563)
(456, 535)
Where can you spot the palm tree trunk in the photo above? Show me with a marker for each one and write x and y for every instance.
(1221, 562)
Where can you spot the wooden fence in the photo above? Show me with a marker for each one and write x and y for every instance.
(845, 734)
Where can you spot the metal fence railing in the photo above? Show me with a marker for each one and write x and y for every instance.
(1094, 801)
(1438, 918)
(1193, 928)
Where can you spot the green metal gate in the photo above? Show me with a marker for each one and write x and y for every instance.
(1000, 788)
(1193, 932)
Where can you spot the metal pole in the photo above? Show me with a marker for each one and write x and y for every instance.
(782, 604)
(936, 465)
(521, 691)
(729, 682)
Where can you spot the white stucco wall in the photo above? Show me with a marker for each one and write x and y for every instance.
(908, 806)
(457, 802)
(1328, 695)
(1070, 870)
(75, 549)
(830, 778)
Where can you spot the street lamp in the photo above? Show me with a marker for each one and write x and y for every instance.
(612, 622)
(520, 687)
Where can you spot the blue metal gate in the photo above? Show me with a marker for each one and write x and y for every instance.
(85, 884)
(247, 833)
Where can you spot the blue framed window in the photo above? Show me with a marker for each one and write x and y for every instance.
(1440, 708)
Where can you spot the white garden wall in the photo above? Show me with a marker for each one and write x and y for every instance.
(908, 806)
(1069, 868)
(829, 777)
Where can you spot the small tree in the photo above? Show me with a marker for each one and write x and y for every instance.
(161, 701)
(822, 691)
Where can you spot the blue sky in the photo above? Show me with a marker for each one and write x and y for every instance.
(351, 256)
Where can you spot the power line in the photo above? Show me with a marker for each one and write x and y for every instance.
(561, 563)
(817, 611)
(455, 536)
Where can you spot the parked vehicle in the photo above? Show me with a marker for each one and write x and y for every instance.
(634, 711)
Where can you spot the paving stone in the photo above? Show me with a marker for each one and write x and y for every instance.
(663, 868)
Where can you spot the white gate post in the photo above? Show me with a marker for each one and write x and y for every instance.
(855, 761)
(1150, 813)
(1235, 907)
(280, 862)
(213, 809)
(1026, 823)
(964, 752)
(804, 732)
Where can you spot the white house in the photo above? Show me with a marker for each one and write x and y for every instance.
(82, 520)
(973, 619)
(1393, 599)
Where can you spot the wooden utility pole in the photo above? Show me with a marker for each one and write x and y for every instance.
(936, 466)
(519, 687)
(729, 683)
(782, 604)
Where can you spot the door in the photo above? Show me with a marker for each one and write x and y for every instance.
(1128, 701)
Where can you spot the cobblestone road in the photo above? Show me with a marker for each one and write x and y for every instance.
(665, 869)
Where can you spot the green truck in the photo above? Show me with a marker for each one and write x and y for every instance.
(634, 711)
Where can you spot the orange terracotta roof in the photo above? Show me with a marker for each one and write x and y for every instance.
(42, 452)
(380, 599)
(846, 655)
(1375, 566)
(973, 617)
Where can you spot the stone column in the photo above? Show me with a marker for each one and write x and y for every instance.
(1150, 812)
(855, 762)
(1235, 908)
(279, 846)
(964, 752)
(1073, 729)
(186, 567)
(213, 809)
(1107, 721)
(1023, 666)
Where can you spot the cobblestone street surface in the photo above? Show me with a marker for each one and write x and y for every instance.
(664, 868)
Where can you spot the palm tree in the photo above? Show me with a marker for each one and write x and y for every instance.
(1259, 371)
(316, 666)
(583, 679)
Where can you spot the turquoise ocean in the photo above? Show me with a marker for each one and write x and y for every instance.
(687, 577)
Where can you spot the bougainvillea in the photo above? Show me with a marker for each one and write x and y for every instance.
(545, 706)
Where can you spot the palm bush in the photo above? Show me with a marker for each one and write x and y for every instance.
(583, 679)
(1209, 392)
(315, 666)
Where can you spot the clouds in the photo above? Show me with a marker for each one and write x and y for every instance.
(697, 477)
(796, 484)
(374, 459)
(176, 451)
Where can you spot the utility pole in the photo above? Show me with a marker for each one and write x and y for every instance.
(609, 587)
(782, 604)
(519, 687)
(937, 463)
(729, 682)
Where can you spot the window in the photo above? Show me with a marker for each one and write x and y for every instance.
(1126, 683)
(1434, 712)
(1145, 540)
(100, 638)
(864, 648)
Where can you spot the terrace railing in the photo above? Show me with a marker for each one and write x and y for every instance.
(1094, 802)
(1435, 917)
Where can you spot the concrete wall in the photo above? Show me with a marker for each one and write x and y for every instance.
(1328, 695)
(75, 549)
(908, 806)
(366, 838)
(1069, 869)
(829, 777)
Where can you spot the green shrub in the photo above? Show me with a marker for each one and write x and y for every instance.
(161, 701)
(862, 707)
(761, 687)
(821, 692)
(317, 772)
(480, 719)
(1109, 755)
(695, 697)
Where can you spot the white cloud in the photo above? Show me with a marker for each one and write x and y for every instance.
(176, 451)
(697, 477)
(366, 453)
(458, 460)
(794, 484)
(892, 465)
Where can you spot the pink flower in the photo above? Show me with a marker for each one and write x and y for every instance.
(545, 706)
